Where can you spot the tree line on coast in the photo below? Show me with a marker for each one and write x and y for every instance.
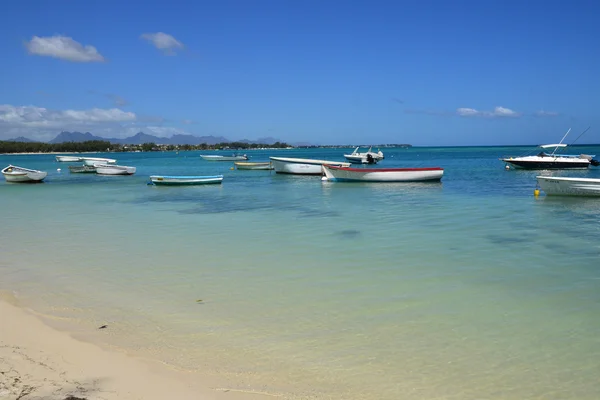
(97, 146)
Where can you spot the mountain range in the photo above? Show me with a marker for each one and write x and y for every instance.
(141, 138)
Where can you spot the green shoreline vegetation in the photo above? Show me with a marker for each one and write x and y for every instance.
(100, 146)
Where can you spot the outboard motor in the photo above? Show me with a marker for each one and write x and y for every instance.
(594, 162)
(370, 159)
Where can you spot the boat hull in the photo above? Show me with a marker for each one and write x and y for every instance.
(82, 169)
(302, 166)
(563, 186)
(224, 158)
(94, 161)
(253, 165)
(337, 174)
(114, 170)
(68, 159)
(23, 175)
(547, 163)
(185, 180)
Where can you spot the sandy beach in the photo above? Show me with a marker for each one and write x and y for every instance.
(40, 362)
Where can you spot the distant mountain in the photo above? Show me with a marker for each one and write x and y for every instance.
(264, 140)
(20, 139)
(75, 137)
(141, 138)
(191, 139)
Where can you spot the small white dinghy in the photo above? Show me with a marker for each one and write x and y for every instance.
(185, 180)
(68, 159)
(342, 174)
(12, 173)
(113, 169)
(94, 161)
(565, 186)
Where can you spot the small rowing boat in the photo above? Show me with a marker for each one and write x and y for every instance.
(185, 180)
(343, 174)
(12, 173)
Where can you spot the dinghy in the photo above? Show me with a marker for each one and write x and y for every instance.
(185, 180)
(12, 173)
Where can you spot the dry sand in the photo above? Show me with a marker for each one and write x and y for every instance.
(39, 362)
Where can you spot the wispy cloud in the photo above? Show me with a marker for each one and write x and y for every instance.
(436, 113)
(117, 100)
(164, 42)
(498, 112)
(64, 48)
(397, 100)
(543, 113)
(188, 121)
(43, 123)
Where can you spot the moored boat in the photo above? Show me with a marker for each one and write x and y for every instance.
(82, 169)
(113, 169)
(12, 173)
(552, 160)
(234, 157)
(565, 186)
(253, 165)
(167, 180)
(368, 157)
(302, 166)
(68, 159)
(93, 161)
(344, 174)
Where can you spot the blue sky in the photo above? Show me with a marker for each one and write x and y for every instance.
(420, 72)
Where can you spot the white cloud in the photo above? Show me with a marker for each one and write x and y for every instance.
(543, 113)
(498, 112)
(188, 121)
(164, 42)
(43, 124)
(467, 112)
(63, 47)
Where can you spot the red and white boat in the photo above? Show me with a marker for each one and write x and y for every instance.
(347, 174)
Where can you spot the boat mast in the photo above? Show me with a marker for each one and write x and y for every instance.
(561, 140)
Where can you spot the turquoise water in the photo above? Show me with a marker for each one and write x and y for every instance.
(467, 289)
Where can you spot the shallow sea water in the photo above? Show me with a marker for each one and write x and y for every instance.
(467, 289)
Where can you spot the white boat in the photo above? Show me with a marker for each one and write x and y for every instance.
(302, 166)
(81, 169)
(253, 165)
(185, 180)
(563, 186)
(94, 161)
(234, 157)
(369, 157)
(113, 169)
(553, 160)
(12, 173)
(68, 159)
(344, 174)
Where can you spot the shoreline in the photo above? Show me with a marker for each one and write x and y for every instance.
(39, 361)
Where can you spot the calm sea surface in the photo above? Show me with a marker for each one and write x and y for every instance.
(467, 289)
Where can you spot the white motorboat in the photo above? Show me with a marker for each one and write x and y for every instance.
(234, 157)
(94, 161)
(552, 160)
(302, 166)
(12, 173)
(68, 159)
(185, 180)
(113, 169)
(342, 174)
(369, 157)
(564, 186)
